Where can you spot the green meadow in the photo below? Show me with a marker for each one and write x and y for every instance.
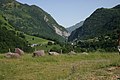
(94, 66)
(35, 40)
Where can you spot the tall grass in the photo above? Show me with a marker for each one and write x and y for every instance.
(63, 67)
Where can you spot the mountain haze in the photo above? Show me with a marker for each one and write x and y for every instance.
(72, 28)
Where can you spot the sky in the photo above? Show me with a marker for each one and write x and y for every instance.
(69, 12)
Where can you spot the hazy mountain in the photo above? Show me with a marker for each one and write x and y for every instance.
(72, 28)
(103, 21)
(32, 20)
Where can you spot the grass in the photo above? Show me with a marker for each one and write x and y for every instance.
(43, 43)
(47, 47)
(64, 67)
(4, 23)
(36, 40)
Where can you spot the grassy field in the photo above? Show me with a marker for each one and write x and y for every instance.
(95, 66)
(42, 41)
(36, 40)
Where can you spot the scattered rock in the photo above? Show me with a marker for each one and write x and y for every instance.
(71, 53)
(53, 53)
(12, 55)
(85, 53)
(19, 51)
(39, 53)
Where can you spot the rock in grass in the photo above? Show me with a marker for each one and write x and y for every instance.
(72, 53)
(85, 53)
(53, 53)
(39, 53)
(12, 55)
(19, 51)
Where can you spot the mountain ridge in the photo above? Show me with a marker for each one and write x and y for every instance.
(102, 21)
(72, 28)
(32, 20)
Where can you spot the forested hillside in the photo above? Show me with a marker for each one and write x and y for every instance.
(32, 20)
(103, 22)
(99, 32)
(11, 39)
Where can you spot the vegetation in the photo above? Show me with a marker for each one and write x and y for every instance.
(99, 31)
(31, 20)
(97, 38)
(99, 66)
(102, 43)
(35, 40)
(10, 39)
(47, 48)
(101, 23)
(16, 19)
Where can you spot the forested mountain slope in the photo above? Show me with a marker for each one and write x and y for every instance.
(32, 20)
(11, 39)
(103, 22)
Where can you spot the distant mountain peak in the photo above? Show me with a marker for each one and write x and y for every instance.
(72, 28)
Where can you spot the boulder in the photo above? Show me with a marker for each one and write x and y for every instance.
(85, 53)
(12, 55)
(53, 53)
(19, 51)
(71, 53)
(39, 53)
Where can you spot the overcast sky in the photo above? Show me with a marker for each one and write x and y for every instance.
(70, 12)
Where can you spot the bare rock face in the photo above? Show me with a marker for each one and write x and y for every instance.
(53, 53)
(19, 51)
(12, 55)
(39, 53)
(60, 32)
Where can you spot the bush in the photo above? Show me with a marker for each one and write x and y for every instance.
(55, 49)
(50, 43)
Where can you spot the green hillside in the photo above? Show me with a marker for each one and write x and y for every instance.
(99, 32)
(35, 40)
(9, 38)
(31, 20)
(4, 23)
(103, 22)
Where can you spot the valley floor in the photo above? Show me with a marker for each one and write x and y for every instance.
(94, 66)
